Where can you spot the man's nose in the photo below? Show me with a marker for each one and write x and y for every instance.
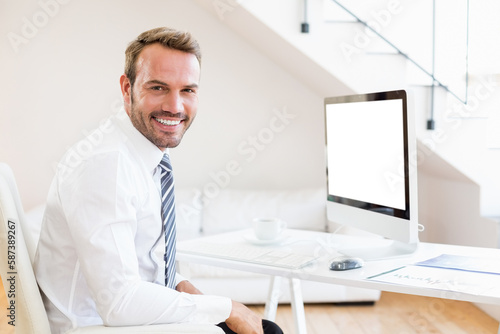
(173, 103)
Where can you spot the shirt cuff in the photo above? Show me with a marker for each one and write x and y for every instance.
(179, 278)
(211, 309)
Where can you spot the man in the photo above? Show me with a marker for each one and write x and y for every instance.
(103, 223)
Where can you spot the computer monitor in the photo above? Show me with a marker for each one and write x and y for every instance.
(371, 180)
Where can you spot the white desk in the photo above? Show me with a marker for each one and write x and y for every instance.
(325, 246)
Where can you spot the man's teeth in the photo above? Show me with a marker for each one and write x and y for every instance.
(167, 121)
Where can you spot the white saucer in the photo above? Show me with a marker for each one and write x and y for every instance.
(251, 238)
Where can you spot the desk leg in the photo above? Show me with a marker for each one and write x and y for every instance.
(272, 298)
(297, 306)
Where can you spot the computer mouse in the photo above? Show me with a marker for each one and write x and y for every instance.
(346, 263)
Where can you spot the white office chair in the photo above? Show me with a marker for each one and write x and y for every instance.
(30, 317)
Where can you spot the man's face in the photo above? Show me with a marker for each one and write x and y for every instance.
(163, 102)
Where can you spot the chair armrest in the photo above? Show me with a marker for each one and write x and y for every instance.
(151, 329)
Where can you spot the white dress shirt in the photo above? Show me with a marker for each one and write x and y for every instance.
(96, 260)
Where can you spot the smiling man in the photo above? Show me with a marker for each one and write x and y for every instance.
(110, 214)
(164, 99)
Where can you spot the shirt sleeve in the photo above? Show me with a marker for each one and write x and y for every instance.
(101, 212)
(179, 278)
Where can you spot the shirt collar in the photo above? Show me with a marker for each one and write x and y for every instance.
(149, 153)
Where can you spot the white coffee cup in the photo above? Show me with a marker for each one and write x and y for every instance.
(268, 228)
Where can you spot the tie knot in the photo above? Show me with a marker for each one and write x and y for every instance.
(165, 163)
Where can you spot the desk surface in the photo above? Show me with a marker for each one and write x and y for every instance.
(325, 246)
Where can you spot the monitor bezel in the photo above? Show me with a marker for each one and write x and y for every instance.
(382, 209)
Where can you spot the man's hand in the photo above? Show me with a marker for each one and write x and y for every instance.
(243, 321)
(186, 286)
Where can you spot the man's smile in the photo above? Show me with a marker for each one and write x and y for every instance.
(167, 121)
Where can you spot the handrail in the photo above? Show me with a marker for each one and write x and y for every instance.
(431, 75)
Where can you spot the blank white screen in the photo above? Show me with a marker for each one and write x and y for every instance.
(365, 144)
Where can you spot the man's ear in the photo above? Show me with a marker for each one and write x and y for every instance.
(126, 88)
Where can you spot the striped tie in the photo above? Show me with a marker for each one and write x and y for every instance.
(168, 216)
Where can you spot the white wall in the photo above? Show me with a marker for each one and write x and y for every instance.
(448, 205)
(61, 79)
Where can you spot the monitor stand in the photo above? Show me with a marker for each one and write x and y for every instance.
(381, 249)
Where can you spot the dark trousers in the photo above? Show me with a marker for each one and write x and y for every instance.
(268, 326)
